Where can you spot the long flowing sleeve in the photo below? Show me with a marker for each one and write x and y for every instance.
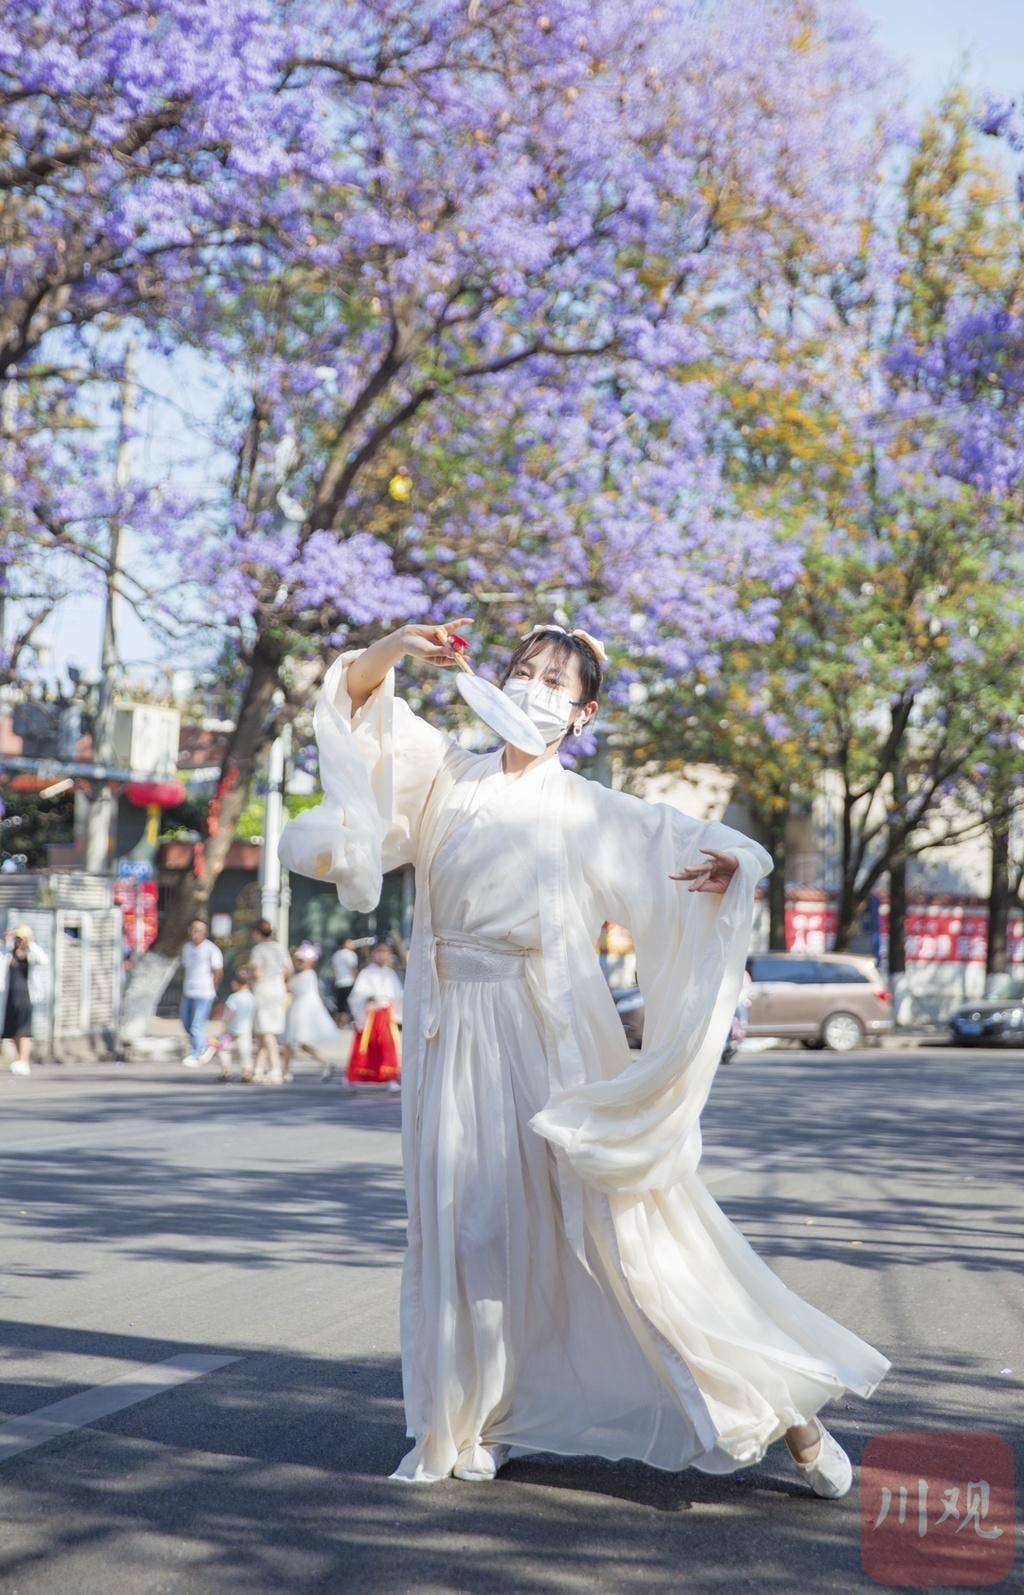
(376, 769)
(640, 1130)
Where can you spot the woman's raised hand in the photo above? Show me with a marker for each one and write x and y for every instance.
(434, 643)
(713, 876)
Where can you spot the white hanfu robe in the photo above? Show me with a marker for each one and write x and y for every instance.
(570, 1285)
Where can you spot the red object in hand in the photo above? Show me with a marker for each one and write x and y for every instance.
(458, 642)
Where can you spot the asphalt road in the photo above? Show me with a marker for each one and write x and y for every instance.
(200, 1391)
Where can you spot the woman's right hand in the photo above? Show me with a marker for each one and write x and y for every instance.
(433, 643)
(430, 643)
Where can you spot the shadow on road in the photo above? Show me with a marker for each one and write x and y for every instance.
(917, 1142)
(272, 1476)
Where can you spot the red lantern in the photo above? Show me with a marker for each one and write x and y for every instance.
(155, 794)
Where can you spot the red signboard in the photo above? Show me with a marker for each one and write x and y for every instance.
(951, 935)
(810, 926)
(934, 935)
(137, 901)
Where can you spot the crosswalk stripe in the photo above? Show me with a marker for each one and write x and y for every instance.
(142, 1381)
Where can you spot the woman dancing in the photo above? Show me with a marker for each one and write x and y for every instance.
(570, 1285)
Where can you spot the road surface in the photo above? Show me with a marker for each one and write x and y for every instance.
(200, 1389)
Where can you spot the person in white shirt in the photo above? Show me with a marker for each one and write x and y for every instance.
(345, 968)
(377, 984)
(376, 1006)
(203, 963)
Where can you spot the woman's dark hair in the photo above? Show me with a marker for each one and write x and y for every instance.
(264, 928)
(566, 647)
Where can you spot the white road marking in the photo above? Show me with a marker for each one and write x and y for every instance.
(143, 1380)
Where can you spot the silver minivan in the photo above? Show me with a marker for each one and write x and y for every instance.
(834, 1000)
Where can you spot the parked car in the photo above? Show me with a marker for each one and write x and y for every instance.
(833, 1000)
(990, 1021)
(629, 1004)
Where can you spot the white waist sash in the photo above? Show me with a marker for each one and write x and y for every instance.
(469, 958)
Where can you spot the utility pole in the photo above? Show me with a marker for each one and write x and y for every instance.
(101, 807)
(275, 902)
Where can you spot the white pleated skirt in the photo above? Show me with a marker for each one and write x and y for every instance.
(672, 1342)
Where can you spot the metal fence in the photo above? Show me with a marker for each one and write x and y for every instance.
(75, 923)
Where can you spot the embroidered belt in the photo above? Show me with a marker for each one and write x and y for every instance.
(477, 959)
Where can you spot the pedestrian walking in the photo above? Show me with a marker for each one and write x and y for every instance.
(269, 969)
(236, 1038)
(376, 1004)
(570, 1284)
(203, 963)
(23, 983)
(308, 1025)
(344, 968)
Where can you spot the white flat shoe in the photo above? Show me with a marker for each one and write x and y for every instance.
(480, 1463)
(830, 1472)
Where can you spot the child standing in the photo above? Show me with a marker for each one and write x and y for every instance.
(236, 1035)
(375, 1003)
(309, 1025)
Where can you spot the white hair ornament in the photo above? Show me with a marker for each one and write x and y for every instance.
(592, 642)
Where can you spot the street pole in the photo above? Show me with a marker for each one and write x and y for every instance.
(271, 895)
(100, 824)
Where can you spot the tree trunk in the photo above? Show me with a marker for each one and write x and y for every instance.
(191, 895)
(775, 821)
(847, 908)
(997, 958)
(898, 918)
(898, 883)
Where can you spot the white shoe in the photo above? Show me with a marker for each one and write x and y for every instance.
(19, 1066)
(327, 1072)
(394, 1085)
(480, 1463)
(829, 1472)
(191, 1062)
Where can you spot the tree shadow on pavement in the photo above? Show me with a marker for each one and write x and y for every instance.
(898, 1156)
(271, 1475)
(148, 1207)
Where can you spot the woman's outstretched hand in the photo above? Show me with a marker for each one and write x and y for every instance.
(435, 644)
(438, 645)
(714, 876)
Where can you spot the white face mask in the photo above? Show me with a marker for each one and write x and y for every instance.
(550, 711)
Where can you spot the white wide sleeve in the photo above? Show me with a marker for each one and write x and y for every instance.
(640, 1130)
(376, 768)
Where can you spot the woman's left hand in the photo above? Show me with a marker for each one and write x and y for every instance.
(714, 876)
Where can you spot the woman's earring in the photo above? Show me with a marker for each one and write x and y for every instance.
(578, 727)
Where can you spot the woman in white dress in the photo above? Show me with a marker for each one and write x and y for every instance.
(269, 970)
(308, 1025)
(570, 1285)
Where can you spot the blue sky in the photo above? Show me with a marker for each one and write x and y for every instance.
(933, 39)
